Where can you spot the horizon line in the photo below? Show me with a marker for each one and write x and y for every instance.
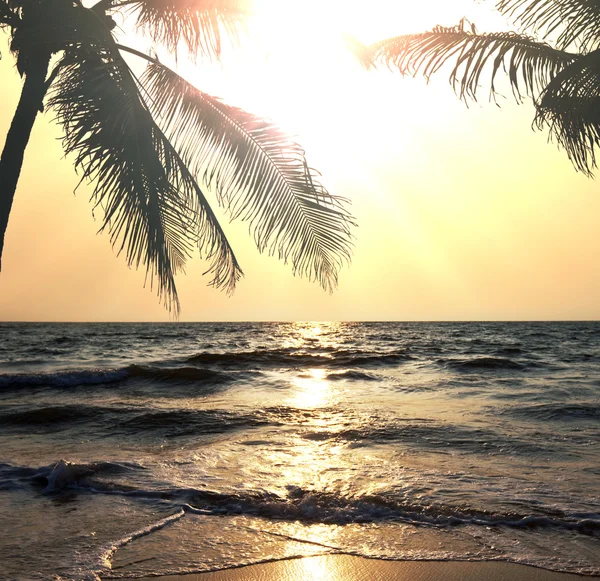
(237, 321)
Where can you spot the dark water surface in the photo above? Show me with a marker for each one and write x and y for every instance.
(136, 449)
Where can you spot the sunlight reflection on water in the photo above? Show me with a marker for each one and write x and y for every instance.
(312, 389)
(316, 570)
(311, 386)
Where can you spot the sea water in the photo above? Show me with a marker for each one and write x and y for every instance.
(148, 449)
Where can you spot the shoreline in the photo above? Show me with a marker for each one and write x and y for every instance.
(344, 567)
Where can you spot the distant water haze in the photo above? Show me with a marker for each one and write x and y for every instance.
(171, 448)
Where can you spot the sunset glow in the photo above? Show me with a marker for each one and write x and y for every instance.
(280, 302)
(462, 212)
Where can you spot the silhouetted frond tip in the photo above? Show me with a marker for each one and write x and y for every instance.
(259, 175)
(200, 24)
(570, 106)
(530, 64)
(575, 22)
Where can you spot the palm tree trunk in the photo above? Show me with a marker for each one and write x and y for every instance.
(31, 101)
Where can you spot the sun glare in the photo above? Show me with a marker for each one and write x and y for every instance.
(312, 389)
(317, 570)
(306, 65)
(297, 69)
(300, 23)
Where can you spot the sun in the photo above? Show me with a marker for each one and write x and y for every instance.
(305, 64)
(300, 22)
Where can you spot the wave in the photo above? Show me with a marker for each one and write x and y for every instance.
(62, 378)
(510, 350)
(208, 368)
(254, 359)
(299, 504)
(72, 474)
(81, 377)
(562, 411)
(63, 340)
(293, 358)
(12, 477)
(63, 474)
(354, 359)
(184, 374)
(183, 422)
(116, 420)
(482, 363)
(219, 369)
(432, 435)
(352, 374)
(50, 415)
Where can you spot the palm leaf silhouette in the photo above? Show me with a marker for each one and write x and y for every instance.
(565, 86)
(153, 207)
(576, 21)
(7, 16)
(259, 174)
(51, 29)
(200, 24)
(570, 106)
(147, 143)
(529, 64)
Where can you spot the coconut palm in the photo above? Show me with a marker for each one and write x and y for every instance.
(151, 143)
(562, 78)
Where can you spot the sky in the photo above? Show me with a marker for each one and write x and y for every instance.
(464, 213)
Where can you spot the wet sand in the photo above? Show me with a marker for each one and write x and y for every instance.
(350, 568)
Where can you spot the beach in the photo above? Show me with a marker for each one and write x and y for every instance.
(285, 450)
(349, 568)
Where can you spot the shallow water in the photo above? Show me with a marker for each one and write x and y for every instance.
(136, 449)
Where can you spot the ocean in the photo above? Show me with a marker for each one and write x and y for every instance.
(131, 450)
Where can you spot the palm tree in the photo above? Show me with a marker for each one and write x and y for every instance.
(563, 79)
(148, 142)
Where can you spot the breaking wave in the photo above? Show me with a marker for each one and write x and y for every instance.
(299, 504)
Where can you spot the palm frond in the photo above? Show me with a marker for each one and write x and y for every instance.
(15, 6)
(8, 18)
(200, 24)
(530, 65)
(259, 175)
(576, 22)
(51, 28)
(149, 198)
(570, 106)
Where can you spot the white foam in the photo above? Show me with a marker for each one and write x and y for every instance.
(65, 475)
(105, 561)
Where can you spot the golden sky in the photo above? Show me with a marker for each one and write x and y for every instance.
(463, 213)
